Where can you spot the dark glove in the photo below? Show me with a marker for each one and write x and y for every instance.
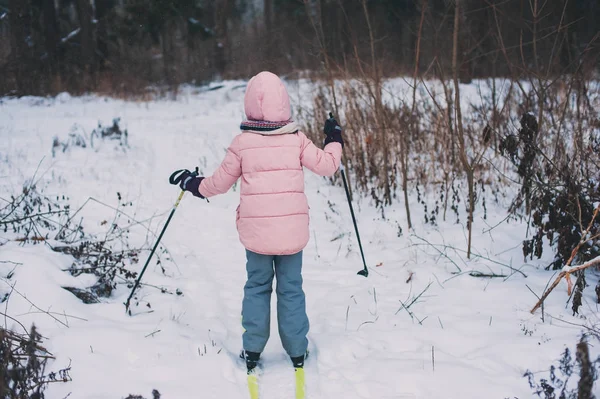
(187, 181)
(333, 131)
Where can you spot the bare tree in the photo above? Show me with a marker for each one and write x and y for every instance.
(381, 119)
(85, 13)
(459, 122)
(269, 40)
(313, 10)
(50, 34)
(21, 54)
(222, 39)
(414, 125)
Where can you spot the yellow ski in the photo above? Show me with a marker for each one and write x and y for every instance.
(300, 389)
(253, 385)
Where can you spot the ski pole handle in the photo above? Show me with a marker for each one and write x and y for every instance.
(177, 176)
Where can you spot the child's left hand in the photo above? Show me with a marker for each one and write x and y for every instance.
(333, 131)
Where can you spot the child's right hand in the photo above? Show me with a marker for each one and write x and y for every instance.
(187, 181)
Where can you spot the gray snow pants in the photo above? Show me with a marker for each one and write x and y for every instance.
(291, 305)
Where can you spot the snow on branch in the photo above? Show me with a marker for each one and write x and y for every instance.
(567, 270)
(70, 35)
(589, 263)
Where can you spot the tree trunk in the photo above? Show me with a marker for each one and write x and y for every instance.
(586, 371)
(221, 42)
(167, 57)
(414, 123)
(85, 13)
(380, 111)
(51, 35)
(103, 9)
(313, 10)
(460, 131)
(21, 57)
(269, 38)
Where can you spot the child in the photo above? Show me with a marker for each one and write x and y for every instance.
(272, 217)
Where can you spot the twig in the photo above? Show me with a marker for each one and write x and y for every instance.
(582, 241)
(533, 292)
(34, 305)
(579, 213)
(24, 341)
(56, 313)
(367, 322)
(6, 309)
(347, 311)
(593, 330)
(26, 357)
(375, 300)
(455, 275)
(579, 277)
(163, 290)
(566, 271)
(438, 280)
(11, 262)
(16, 321)
(406, 308)
(23, 195)
(31, 217)
(110, 207)
(440, 252)
(413, 301)
(497, 224)
(66, 378)
(474, 255)
(152, 334)
(476, 273)
(419, 296)
(411, 314)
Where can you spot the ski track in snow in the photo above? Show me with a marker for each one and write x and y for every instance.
(363, 343)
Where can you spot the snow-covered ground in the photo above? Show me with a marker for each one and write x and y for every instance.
(463, 337)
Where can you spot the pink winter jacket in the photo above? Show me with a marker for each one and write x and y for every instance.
(272, 218)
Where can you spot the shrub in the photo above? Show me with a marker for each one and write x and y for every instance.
(23, 366)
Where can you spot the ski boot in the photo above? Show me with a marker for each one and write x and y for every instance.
(251, 363)
(298, 363)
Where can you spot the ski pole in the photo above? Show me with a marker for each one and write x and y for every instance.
(364, 271)
(173, 179)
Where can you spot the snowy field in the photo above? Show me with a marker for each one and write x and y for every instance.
(458, 336)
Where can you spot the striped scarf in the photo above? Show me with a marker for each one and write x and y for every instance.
(263, 126)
